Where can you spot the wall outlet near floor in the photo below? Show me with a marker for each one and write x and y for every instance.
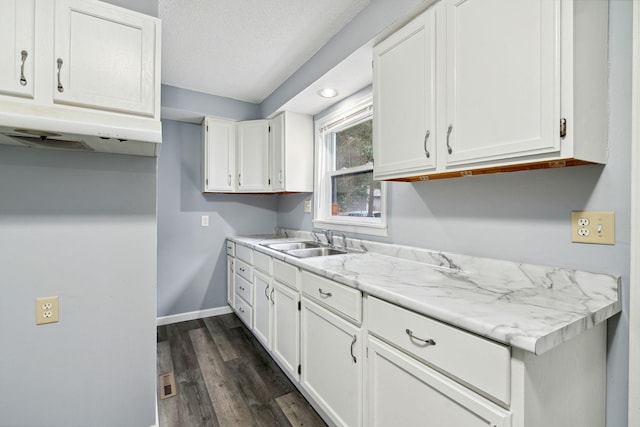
(307, 206)
(204, 221)
(46, 310)
(593, 227)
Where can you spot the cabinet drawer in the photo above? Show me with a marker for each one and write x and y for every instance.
(243, 310)
(343, 299)
(231, 248)
(244, 270)
(244, 253)
(285, 273)
(476, 361)
(262, 262)
(244, 289)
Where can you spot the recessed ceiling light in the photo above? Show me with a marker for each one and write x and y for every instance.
(328, 93)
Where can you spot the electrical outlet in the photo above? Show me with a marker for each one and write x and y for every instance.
(593, 227)
(46, 310)
(205, 220)
(307, 206)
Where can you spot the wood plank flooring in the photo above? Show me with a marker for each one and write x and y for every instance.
(224, 377)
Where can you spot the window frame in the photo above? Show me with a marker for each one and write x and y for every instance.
(355, 112)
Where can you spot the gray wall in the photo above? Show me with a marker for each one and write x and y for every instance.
(81, 226)
(524, 216)
(192, 258)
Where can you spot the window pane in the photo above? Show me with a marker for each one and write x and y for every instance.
(355, 194)
(353, 146)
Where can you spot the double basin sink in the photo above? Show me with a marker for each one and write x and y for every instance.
(304, 249)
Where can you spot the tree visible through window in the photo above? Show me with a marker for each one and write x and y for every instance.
(354, 192)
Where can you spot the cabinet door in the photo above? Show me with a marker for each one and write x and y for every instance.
(332, 363)
(253, 155)
(403, 392)
(404, 139)
(230, 281)
(262, 308)
(286, 328)
(502, 80)
(17, 47)
(219, 155)
(277, 135)
(105, 57)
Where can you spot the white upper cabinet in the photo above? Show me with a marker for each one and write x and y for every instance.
(291, 153)
(502, 85)
(404, 99)
(502, 75)
(105, 57)
(17, 34)
(252, 150)
(218, 155)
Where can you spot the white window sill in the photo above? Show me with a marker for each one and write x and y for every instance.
(349, 227)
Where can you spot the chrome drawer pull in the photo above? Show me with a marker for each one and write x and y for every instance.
(324, 294)
(426, 138)
(271, 295)
(427, 341)
(23, 80)
(449, 129)
(60, 87)
(355, 338)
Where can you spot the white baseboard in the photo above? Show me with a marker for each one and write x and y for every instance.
(192, 315)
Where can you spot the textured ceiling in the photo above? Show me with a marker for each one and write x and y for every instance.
(245, 49)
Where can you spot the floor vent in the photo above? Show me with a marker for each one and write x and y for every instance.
(167, 385)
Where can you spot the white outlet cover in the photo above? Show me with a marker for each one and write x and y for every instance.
(205, 220)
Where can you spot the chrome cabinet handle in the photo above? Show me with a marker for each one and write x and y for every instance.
(355, 338)
(229, 179)
(239, 180)
(23, 80)
(266, 292)
(280, 177)
(427, 341)
(60, 87)
(449, 129)
(426, 138)
(271, 295)
(324, 294)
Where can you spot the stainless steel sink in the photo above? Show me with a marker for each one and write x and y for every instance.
(292, 245)
(313, 252)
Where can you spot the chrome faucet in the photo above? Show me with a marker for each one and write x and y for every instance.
(329, 235)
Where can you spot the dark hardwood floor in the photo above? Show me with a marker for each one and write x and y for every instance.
(225, 378)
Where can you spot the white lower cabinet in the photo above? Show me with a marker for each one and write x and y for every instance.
(230, 281)
(286, 328)
(331, 350)
(405, 392)
(262, 312)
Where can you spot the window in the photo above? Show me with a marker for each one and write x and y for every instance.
(347, 198)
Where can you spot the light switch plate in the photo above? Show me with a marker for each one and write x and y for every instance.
(593, 227)
(46, 310)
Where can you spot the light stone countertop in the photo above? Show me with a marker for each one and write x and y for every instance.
(527, 306)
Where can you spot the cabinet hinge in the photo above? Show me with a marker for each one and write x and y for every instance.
(367, 350)
(269, 129)
(299, 369)
(563, 128)
(269, 181)
(206, 181)
(207, 128)
(299, 305)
